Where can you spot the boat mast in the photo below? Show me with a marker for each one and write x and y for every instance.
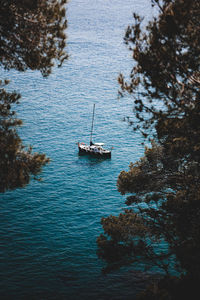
(92, 125)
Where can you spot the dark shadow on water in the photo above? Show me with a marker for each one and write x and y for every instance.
(90, 160)
(117, 286)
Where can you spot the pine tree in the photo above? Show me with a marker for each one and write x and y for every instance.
(32, 36)
(165, 201)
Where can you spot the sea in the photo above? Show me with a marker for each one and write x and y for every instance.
(49, 228)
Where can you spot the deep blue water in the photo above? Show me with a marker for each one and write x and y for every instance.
(49, 229)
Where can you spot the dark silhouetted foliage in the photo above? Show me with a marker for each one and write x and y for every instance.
(161, 227)
(32, 36)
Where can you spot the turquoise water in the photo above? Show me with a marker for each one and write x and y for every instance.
(49, 229)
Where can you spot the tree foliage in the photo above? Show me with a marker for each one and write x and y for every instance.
(16, 162)
(32, 36)
(162, 226)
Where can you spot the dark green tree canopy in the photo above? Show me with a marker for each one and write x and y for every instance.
(16, 162)
(166, 70)
(32, 36)
(164, 184)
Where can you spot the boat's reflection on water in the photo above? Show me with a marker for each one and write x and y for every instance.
(90, 160)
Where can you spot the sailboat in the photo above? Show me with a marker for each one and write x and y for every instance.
(93, 149)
